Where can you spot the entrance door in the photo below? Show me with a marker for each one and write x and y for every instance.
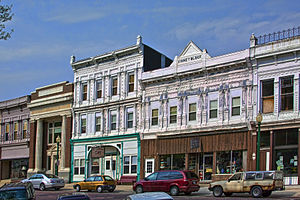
(206, 166)
(110, 166)
(149, 166)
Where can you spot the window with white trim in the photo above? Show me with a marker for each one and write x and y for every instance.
(173, 115)
(114, 86)
(83, 124)
(287, 93)
(84, 92)
(98, 122)
(236, 106)
(192, 111)
(54, 131)
(154, 117)
(213, 109)
(113, 121)
(129, 119)
(98, 89)
(25, 129)
(130, 82)
(16, 126)
(79, 167)
(130, 165)
(95, 166)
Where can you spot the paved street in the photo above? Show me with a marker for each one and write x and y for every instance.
(292, 192)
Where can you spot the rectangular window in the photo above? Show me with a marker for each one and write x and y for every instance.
(213, 109)
(267, 94)
(48, 162)
(16, 126)
(99, 89)
(131, 82)
(83, 124)
(50, 133)
(154, 117)
(126, 164)
(107, 165)
(130, 120)
(95, 166)
(98, 122)
(114, 86)
(57, 131)
(84, 92)
(173, 114)
(133, 164)
(235, 106)
(25, 129)
(79, 166)
(113, 124)
(7, 127)
(192, 112)
(287, 93)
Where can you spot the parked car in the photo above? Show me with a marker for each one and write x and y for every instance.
(74, 196)
(98, 183)
(257, 183)
(150, 196)
(45, 181)
(173, 181)
(17, 191)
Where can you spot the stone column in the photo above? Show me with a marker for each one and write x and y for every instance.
(39, 146)
(63, 142)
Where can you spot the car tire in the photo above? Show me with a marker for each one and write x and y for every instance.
(139, 189)
(77, 188)
(99, 189)
(266, 193)
(217, 191)
(42, 187)
(174, 191)
(228, 194)
(256, 192)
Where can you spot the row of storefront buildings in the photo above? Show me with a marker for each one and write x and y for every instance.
(133, 111)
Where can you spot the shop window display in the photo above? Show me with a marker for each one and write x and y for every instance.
(229, 162)
(176, 162)
(287, 161)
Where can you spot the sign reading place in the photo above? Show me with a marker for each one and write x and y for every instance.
(189, 59)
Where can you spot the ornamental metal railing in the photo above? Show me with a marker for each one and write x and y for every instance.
(280, 35)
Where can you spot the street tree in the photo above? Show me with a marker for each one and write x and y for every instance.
(5, 16)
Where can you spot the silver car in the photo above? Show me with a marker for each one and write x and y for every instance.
(45, 181)
(150, 196)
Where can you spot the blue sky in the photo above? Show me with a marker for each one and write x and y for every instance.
(47, 33)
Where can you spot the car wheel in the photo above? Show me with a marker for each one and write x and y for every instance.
(228, 194)
(217, 191)
(256, 192)
(139, 189)
(266, 193)
(42, 187)
(99, 189)
(77, 188)
(174, 191)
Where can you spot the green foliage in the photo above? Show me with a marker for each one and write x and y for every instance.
(5, 15)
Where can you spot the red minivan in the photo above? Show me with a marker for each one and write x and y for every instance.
(173, 181)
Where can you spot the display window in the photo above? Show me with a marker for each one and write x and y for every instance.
(286, 160)
(229, 162)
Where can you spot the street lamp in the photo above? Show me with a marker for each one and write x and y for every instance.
(57, 155)
(259, 118)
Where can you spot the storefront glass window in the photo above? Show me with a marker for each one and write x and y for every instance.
(265, 139)
(178, 162)
(287, 161)
(229, 162)
(95, 166)
(286, 137)
(165, 162)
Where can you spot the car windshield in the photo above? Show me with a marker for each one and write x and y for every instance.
(108, 178)
(13, 194)
(51, 176)
(190, 175)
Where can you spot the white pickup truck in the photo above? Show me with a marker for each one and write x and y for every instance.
(257, 183)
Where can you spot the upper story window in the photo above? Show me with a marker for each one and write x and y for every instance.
(192, 111)
(7, 129)
(173, 114)
(154, 117)
(131, 82)
(114, 86)
(54, 130)
(235, 106)
(213, 109)
(98, 122)
(25, 129)
(267, 94)
(16, 126)
(98, 89)
(113, 122)
(287, 92)
(129, 119)
(84, 91)
(83, 124)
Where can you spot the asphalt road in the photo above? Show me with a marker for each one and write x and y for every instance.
(122, 194)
